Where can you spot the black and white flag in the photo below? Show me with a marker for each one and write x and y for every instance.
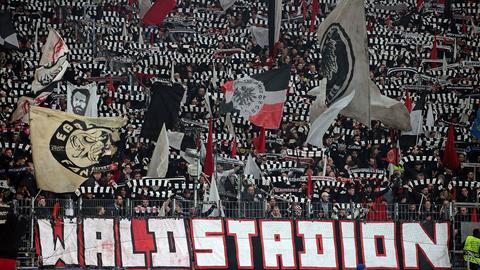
(53, 63)
(349, 89)
(8, 35)
(82, 100)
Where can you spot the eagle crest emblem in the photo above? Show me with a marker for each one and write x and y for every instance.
(337, 61)
(249, 96)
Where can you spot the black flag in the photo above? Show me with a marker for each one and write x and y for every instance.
(164, 107)
(8, 35)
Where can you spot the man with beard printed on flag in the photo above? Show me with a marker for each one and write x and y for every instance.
(82, 100)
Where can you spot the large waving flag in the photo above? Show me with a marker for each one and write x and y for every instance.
(53, 63)
(343, 40)
(259, 98)
(67, 147)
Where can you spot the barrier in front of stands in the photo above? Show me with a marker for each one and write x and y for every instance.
(462, 217)
(216, 243)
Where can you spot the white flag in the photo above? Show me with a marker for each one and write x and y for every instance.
(226, 4)
(53, 63)
(251, 168)
(21, 112)
(343, 43)
(213, 197)
(82, 100)
(158, 166)
(325, 120)
(261, 35)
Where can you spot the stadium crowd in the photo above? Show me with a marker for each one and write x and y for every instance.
(107, 41)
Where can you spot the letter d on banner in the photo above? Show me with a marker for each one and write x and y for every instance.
(320, 249)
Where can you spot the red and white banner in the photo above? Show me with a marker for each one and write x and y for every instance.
(242, 244)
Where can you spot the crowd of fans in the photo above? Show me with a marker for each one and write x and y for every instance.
(189, 37)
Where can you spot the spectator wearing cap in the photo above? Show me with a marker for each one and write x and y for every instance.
(325, 206)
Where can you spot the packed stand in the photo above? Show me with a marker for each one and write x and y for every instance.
(354, 175)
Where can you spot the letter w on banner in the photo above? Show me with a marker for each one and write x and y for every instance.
(66, 147)
(343, 43)
(259, 98)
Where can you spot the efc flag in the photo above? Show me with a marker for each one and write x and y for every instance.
(53, 63)
(200, 243)
(8, 35)
(66, 147)
(163, 109)
(82, 100)
(259, 98)
(343, 38)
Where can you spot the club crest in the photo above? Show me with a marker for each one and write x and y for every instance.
(249, 96)
(337, 62)
(79, 146)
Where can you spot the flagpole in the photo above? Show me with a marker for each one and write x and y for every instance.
(195, 196)
(420, 125)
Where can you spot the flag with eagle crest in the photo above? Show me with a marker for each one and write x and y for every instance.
(258, 98)
(343, 44)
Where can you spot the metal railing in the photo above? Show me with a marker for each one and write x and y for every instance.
(176, 207)
(463, 217)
